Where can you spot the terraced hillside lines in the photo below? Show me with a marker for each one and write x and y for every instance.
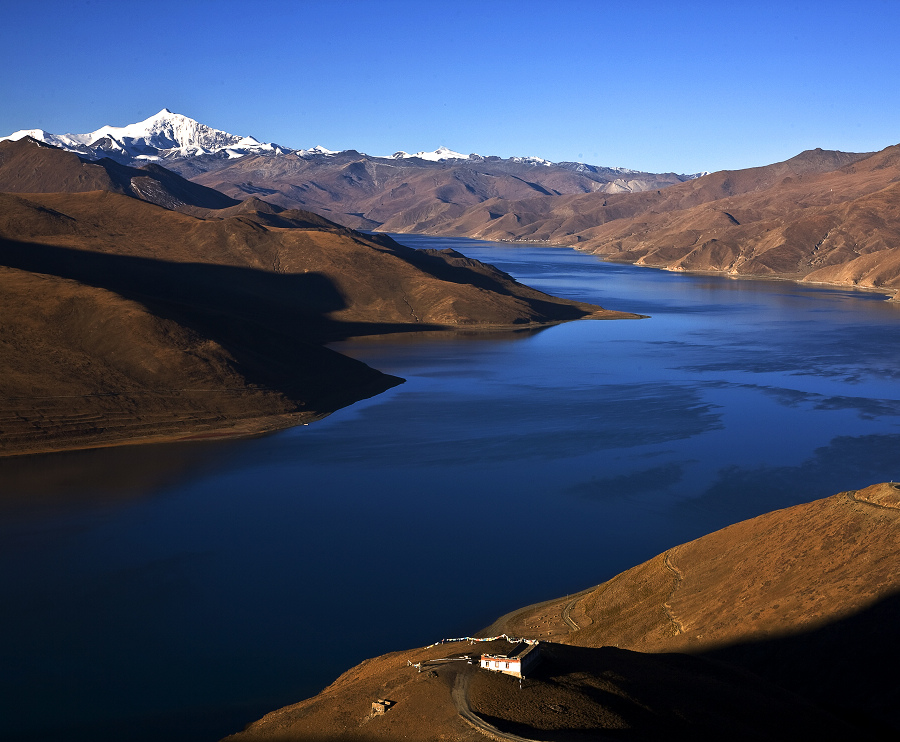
(82, 366)
(87, 421)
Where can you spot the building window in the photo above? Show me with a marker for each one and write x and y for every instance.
(507, 665)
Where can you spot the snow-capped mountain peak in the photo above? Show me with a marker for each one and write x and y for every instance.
(165, 135)
(37, 134)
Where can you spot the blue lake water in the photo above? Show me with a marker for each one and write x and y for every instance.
(182, 591)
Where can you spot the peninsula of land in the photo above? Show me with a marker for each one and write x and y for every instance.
(138, 306)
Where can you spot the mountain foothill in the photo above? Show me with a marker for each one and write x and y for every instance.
(821, 217)
(140, 306)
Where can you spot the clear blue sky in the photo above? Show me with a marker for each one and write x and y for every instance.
(659, 86)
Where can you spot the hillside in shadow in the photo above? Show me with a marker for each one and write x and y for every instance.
(589, 693)
(847, 666)
(835, 682)
(103, 348)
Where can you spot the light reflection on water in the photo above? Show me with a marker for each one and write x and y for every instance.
(185, 590)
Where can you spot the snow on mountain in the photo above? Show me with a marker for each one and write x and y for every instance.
(580, 167)
(531, 161)
(440, 154)
(65, 141)
(165, 135)
(317, 150)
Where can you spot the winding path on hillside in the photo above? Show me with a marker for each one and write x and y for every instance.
(460, 694)
(570, 622)
(679, 578)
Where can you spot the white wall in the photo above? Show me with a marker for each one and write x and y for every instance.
(501, 666)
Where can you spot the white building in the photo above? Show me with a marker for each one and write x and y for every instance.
(518, 661)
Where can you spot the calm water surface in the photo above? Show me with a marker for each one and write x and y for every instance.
(182, 591)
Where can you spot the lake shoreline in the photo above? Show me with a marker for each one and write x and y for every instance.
(891, 294)
(248, 426)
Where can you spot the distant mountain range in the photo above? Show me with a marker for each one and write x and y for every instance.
(352, 188)
(823, 216)
(173, 136)
(820, 217)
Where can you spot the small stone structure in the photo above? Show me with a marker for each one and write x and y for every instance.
(380, 706)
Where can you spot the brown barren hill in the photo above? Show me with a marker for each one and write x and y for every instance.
(373, 283)
(411, 194)
(779, 627)
(29, 166)
(124, 321)
(820, 217)
(561, 218)
(84, 366)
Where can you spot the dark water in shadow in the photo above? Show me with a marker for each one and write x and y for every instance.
(182, 591)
